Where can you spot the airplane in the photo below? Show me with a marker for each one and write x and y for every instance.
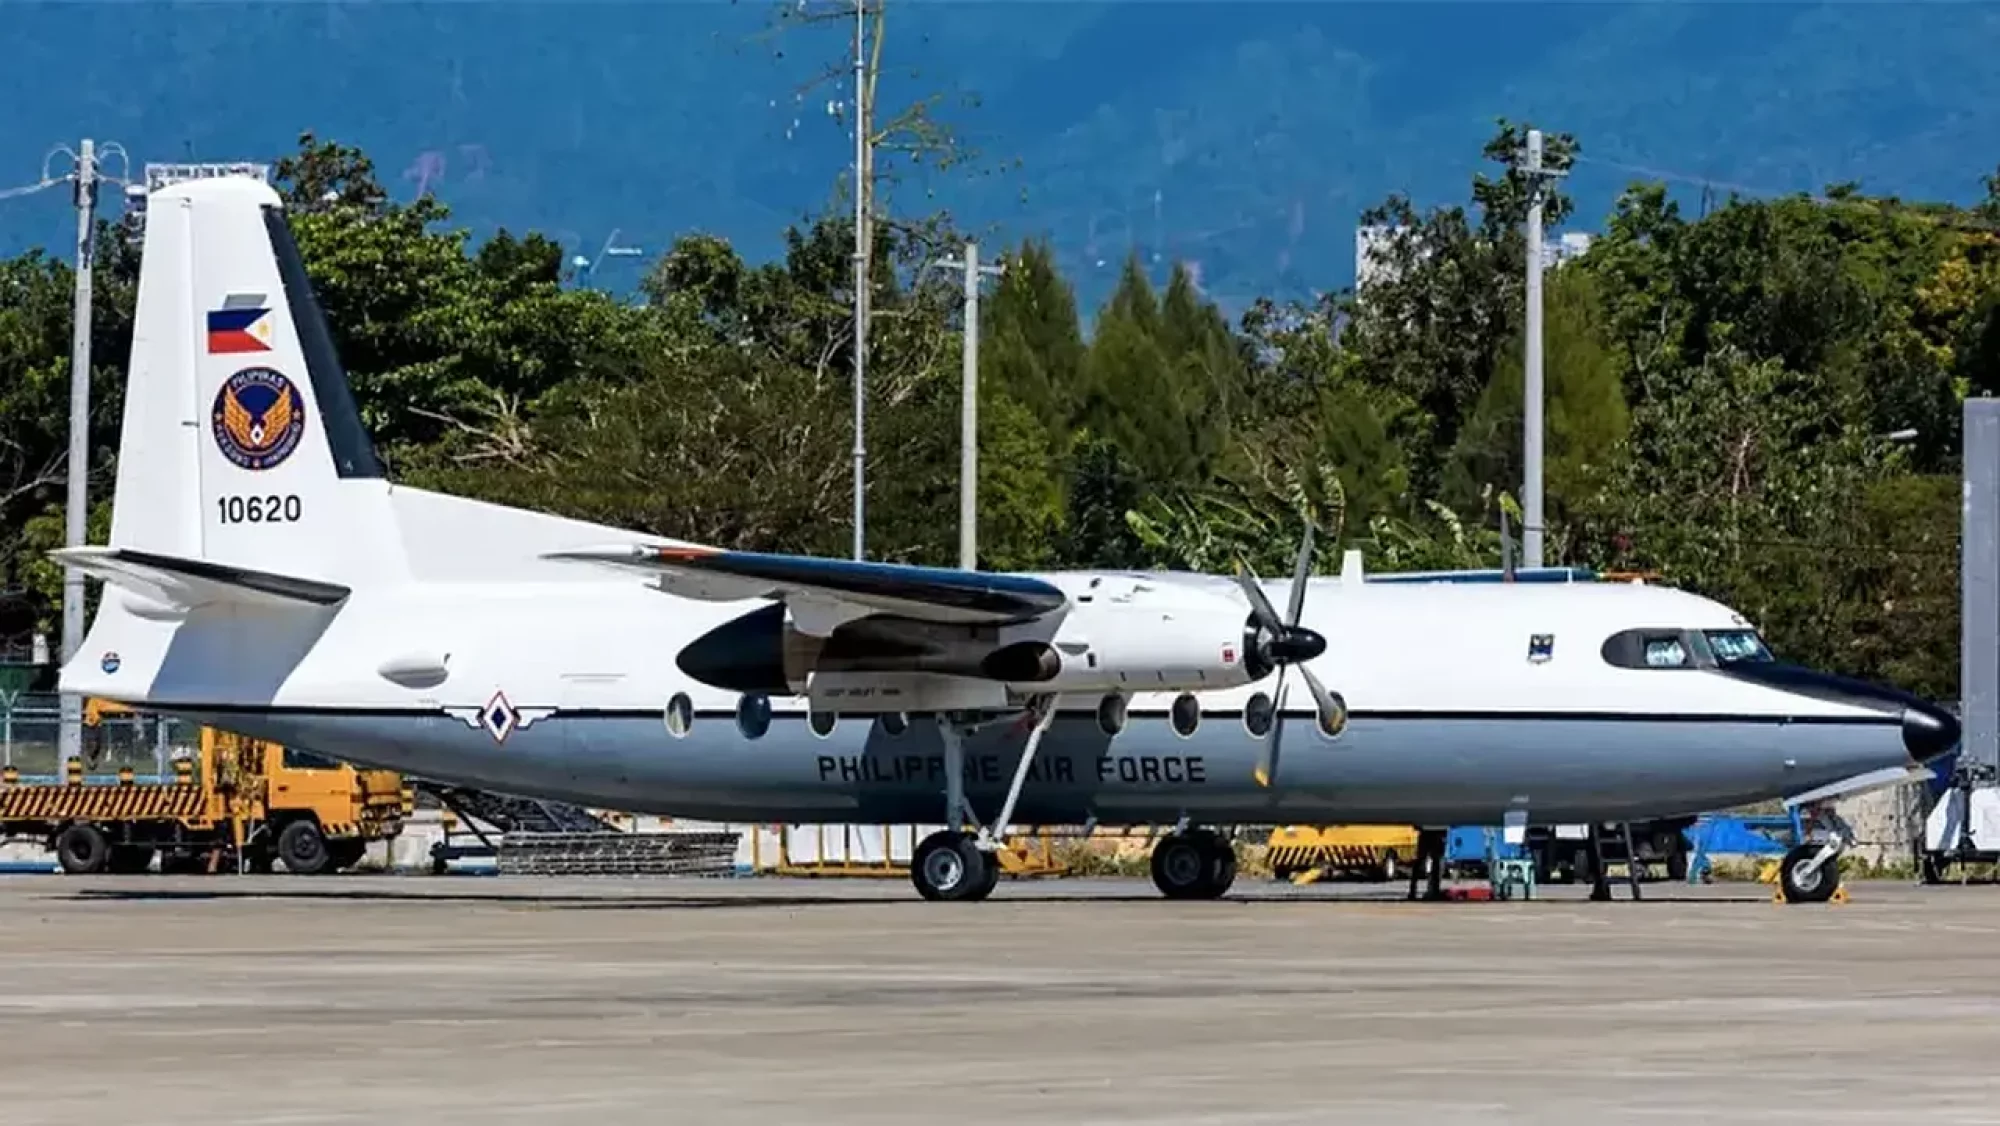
(264, 575)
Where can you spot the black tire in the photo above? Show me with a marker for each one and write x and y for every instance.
(1819, 887)
(1193, 865)
(303, 849)
(128, 860)
(948, 867)
(1677, 865)
(82, 849)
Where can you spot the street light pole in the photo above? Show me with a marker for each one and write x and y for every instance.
(863, 176)
(968, 453)
(1531, 361)
(75, 503)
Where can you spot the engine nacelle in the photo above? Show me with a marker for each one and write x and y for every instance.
(1146, 640)
(1134, 648)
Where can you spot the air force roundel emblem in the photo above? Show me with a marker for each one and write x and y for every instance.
(258, 419)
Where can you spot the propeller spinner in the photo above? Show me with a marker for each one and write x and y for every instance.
(1283, 642)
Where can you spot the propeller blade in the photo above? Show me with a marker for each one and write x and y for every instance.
(1299, 574)
(1267, 615)
(1267, 759)
(1325, 701)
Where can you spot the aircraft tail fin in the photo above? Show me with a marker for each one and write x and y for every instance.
(249, 501)
(241, 443)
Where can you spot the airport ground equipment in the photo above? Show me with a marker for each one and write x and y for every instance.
(1963, 827)
(532, 837)
(1741, 834)
(235, 803)
(1301, 853)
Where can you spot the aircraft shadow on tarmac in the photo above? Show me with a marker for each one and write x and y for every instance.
(614, 900)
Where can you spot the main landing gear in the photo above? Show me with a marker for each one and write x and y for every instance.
(954, 865)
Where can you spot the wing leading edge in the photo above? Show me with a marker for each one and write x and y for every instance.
(935, 594)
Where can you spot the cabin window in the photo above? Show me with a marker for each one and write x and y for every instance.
(1111, 714)
(753, 715)
(1332, 721)
(296, 759)
(895, 723)
(1186, 714)
(680, 715)
(822, 722)
(1258, 714)
(1736, 646)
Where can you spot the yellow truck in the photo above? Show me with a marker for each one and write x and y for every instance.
(239, 801)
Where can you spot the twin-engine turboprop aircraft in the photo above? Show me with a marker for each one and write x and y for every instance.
(265, 576)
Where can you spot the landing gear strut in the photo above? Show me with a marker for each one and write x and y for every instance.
(1193, 864)
(955, 865)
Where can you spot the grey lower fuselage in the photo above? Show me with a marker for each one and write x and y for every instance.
(1413, 769)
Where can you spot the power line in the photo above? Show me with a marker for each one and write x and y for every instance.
(31, 189)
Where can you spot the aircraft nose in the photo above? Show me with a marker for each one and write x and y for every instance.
(1928, 732)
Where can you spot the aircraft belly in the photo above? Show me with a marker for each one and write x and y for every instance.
(1381, 769)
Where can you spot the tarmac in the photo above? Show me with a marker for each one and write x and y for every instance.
(467, 999)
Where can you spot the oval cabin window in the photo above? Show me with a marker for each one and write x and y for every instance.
(1258, 715)
(1186, 714)
(680, 715)
(1111, 714)
(1333, 721)
(895, 723)
(822, 722)
(753, 715)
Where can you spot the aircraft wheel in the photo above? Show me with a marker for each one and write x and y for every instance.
(1193, 865)
(949, 867)
(1819, 886)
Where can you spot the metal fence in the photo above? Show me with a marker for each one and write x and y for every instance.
(30, 732)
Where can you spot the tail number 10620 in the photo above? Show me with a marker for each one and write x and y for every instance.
(270, 509)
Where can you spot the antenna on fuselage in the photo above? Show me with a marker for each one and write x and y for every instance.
(1350, 567)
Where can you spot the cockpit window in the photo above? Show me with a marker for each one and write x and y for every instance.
(1733, 646)
(1683, 648)
(1666, 653)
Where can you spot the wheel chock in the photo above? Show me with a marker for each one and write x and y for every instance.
(1309, 876)
(1839, 895)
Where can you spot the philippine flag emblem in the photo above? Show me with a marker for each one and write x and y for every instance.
(242, 325)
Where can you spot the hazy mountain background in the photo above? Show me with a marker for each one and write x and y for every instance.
(1245, 137)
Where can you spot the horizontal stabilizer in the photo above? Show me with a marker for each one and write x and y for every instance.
(926, 593)
(187, 583)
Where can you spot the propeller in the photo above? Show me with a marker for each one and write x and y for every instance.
(1281, 643)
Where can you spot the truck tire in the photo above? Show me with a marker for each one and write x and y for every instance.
(303, 849)
(82, 849)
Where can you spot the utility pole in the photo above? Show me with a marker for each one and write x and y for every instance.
(863, 229)
(75, 505)
(1531, 362)
(968, 451)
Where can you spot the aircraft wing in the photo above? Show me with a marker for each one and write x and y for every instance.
(837, 589)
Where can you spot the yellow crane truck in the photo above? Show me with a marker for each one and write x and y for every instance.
(239, 800)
